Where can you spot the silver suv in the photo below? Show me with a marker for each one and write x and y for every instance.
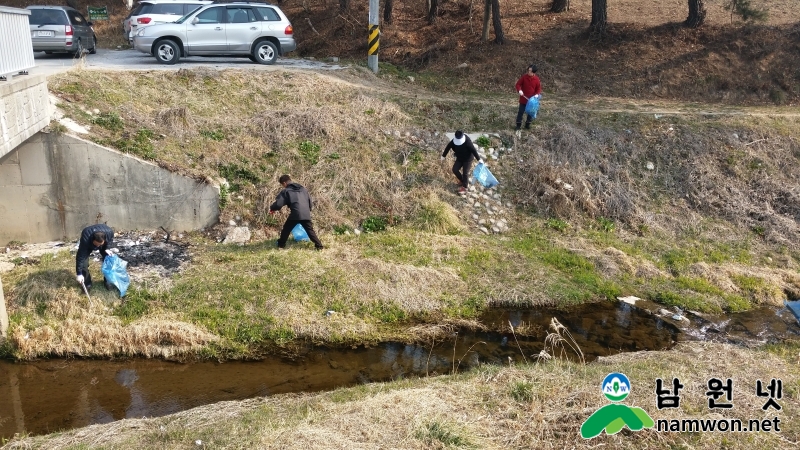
(258, 30)
(60, 29)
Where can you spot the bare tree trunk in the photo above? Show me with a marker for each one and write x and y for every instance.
(697, 14)
(487, 14)
(599, 16)
(559, 6)
(499, 36)
(387, 11)
(344, 5)
(433, 11)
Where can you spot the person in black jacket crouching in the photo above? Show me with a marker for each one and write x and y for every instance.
(94, 237)
(297, 199)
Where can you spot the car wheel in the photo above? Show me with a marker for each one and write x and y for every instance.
(94, 47)
(166, 52)
(265, 52)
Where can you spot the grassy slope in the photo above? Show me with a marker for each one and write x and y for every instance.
(667, 234)
(524, 406)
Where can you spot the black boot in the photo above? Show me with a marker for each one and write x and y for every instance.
(527, 126)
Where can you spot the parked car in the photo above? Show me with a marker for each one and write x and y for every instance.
(258, 30)
(152, 12)
(61, 29)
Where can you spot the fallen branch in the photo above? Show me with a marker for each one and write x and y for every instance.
(312, 26)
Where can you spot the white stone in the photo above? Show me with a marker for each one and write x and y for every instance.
(650, 165)
(237, 235)
(495, 229)
(631, 300)
(476, 217)
(232, 223)
(357, 232)
(483, 229)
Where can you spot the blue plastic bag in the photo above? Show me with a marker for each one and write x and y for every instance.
(532, 107)
(299, 233)
(116, 272)
(484, 176)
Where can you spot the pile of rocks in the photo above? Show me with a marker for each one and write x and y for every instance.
(488, 210)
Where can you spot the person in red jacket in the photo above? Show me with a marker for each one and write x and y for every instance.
(527, 86)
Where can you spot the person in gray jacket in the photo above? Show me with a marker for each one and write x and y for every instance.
(297, 199)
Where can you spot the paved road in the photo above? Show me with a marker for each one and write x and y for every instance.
(133, 60)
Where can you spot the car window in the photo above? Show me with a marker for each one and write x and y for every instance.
(191, 7)
(269, 14)
(142, 9)
(211, 15)
(75, 18)
(241, 15)
(47, 17)
(172, 9)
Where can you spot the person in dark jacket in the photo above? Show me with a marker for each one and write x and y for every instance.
(94, 237)
(528, 86)
(297, 199)
(464, 151)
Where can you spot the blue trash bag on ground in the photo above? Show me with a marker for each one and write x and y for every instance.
(299, 233)
(484, 176)
(532, 107)
(116, 272)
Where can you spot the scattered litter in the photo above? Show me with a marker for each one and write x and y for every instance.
(658, 116)
(650, 165)
(198, 442)
(329, 313)
(679, 317)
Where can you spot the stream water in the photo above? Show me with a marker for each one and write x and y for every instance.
(50, 395)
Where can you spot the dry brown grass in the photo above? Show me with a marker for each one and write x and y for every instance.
(477, 409)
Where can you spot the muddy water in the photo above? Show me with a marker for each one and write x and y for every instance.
(46, 396)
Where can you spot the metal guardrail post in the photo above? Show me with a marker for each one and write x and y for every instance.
(16, 47)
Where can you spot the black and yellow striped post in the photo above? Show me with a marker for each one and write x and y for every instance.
(373, 43)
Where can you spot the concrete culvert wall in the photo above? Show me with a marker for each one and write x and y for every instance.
(54, 185)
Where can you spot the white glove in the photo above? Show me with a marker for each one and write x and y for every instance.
(109, 252)
(536, 96)
(79, 279)
(482, 162)
(442, 158)
(520, 93)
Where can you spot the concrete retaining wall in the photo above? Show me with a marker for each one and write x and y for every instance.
(53, 185)
(24, 110)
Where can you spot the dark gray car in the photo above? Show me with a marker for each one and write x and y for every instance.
(60, 29)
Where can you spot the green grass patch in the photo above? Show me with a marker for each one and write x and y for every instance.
(437, 434)
(135, 305)
(521, 391)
